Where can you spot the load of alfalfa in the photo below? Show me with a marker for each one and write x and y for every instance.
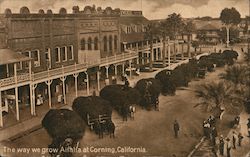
(120, 97)
(62, 124)
(91, 108)
(150, 90)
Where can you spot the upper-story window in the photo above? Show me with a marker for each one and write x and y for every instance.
(64, 53)
(96, 43)
(115, 42)
(83, 44)
(105, 44)
(89, 44)
(35, 54)
(110, 43)
(57, 54)
(48, 57)
(70, 52)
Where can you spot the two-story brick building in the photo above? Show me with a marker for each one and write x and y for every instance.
(50, 54)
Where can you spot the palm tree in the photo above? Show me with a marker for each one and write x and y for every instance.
(236, 74)
(174, 26)
(152, 33)
(217, 97)
(188, 29)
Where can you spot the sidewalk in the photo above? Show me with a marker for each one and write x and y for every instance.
(244, 150)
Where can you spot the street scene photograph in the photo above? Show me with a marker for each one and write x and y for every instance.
(124, 78)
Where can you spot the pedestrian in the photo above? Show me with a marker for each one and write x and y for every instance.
(221, 145)
(176, 128)
(213, 135)
(234, 140)
(240, 138)
(228, 147)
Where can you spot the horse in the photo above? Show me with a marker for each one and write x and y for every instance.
(98, 128)
(110, 126)
(125, 112)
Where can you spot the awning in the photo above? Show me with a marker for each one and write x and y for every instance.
(8, 56)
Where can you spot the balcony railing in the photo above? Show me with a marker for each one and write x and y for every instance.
(119, 58)
(66, 70)
(11, 80)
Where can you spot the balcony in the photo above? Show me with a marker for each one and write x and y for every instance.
(21, 78)
(24, 78)
(119, 58)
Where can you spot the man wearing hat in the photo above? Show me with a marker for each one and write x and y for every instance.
(221, 145)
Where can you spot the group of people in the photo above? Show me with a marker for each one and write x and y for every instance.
(224, 144)
(209, 128)
(228, 144)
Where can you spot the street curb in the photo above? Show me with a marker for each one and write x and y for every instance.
(196, 147)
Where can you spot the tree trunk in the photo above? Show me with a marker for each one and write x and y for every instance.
(151, 56)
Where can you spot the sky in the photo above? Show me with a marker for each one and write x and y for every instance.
(152, 9)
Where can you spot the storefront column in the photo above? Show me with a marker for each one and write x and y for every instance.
(130, 68)
(123, 69)
(64, 90)
(107, 71)
(49, 82)
(16, 93)
(169, 60)
(98, 80)
(33, 99)
(115, 65)
(1, 110)
(76, 82)
(87, 79)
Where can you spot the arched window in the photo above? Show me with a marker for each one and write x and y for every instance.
(115, 42)
(105, 43)
(110, 43)
(83, 44)
(89, 44)
(96, 43)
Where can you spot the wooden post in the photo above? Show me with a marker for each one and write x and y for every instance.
(98, 80)
(87, 78)
(49, 91)
(107, 71)
(130, 68)
(16, 93)
(76, 83)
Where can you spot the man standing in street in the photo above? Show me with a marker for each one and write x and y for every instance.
(240, 138)
(176, 128)
(234, 140)
(221, 145)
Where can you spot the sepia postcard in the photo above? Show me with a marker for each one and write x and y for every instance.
(124, 78)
